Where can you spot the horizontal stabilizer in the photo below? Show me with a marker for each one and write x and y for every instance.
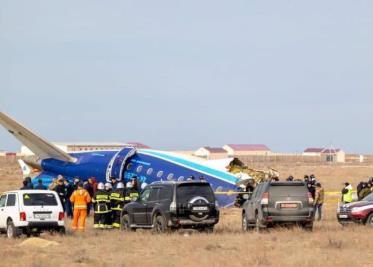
(25, 169)
(36, 144)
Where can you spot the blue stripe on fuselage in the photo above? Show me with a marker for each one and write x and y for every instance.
(218, 174)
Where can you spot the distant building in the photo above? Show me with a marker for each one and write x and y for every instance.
(327, 154)
(235, 150)
(313, 151)
(211, 153)
(80, 147)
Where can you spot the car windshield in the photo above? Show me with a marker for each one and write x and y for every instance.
(292, 190)
(368, 197)
(186, 192)
(39, 199)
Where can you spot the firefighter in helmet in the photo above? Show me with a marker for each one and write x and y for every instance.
(101, 205)
(117, 203)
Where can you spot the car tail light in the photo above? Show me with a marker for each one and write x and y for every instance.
(22, 216)
(61, 216)
(265, 198)
(269, 219)
(173, 207)
(310, 198)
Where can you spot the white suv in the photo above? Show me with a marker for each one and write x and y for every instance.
(30, 211)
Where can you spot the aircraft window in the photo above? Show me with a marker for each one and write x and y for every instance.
(170, 177)
(139, 169)
(129, 166)
(219, 189)
(149, 171)
(181, 178)
(159, 174)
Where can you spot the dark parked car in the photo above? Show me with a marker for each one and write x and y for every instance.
(357, 212)
(164, 206)
(275, 203)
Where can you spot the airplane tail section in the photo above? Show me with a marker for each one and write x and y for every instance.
(41, 148)
(25, 169)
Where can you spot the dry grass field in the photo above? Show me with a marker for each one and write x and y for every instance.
(328, 245)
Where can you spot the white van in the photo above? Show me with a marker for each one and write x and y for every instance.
(30, 211)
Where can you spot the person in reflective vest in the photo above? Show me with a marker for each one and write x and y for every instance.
(101, 207)
(108, 216)
(347, 193)
(80, 198)
(132, 193)
(117, 202)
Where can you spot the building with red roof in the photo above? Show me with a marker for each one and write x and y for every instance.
(328, 154)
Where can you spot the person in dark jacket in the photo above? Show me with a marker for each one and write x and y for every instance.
(69, 189)
(88, 186)
(29, 183)
(117, 203)
(61, 191)
(366, 190)
(132, 193)
(40, 185)
(76, 183)
(311, 188)
(359, 187)
(108, 217)
(101, 207)
(114, 182)
(24, 187)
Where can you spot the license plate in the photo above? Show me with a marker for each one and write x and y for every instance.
(343, 216)
(289, 205)
(42, 216)
(200, 208)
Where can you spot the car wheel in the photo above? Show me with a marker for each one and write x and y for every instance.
(245, 226)
(369, 221)
(11, 230)
(207, 229)
(258, 225)
(307, 227)
(159, 224)
(125, 223)
(62, 230)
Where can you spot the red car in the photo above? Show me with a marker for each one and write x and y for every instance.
(357, 212)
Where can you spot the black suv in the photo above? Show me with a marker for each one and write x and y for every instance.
(164, 206)
(278, 203)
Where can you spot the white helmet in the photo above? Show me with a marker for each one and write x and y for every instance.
(143, 185)
(100, 186)
(129, 185)
(120, 185)
(108, 185)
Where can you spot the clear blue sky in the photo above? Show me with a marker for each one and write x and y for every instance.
(181, 74)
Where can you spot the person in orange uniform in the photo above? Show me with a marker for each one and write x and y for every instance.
(80, 198)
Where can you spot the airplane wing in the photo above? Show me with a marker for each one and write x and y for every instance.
(36, 144)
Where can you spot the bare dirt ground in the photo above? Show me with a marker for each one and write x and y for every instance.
(328, 245)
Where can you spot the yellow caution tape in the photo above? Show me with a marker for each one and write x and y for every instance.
(237, 193)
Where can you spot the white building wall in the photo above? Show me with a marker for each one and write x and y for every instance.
(229, 150)
(202, 152)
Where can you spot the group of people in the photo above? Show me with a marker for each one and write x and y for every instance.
(364, 188)
(317, 192)
(109, 201)
(78, 198)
